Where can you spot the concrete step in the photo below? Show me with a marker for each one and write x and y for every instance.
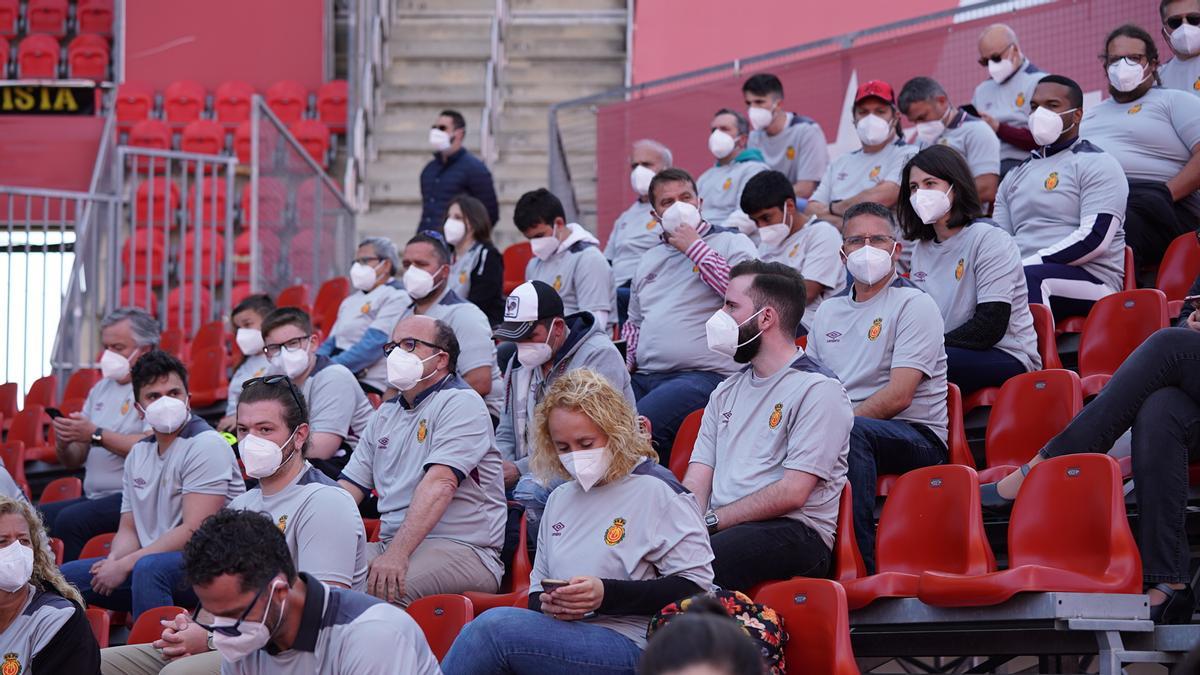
(416, 142)
(418, 118)
(601, 72)
(436, 6)
(446, 95)
(570, 41)
(547, 93)
(396, 222)
(561, 5)
(419, 72)
(422, 30)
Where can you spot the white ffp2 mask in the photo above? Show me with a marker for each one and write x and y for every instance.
(930, 205)
(760, 118)
(362, 276)
(16, 566)
(587, 466)
(261, 456)
(720, 144)
(721, 331)
(1001, 70)
(454, 230)
(869, 265)
(439, 140)
(404, 369)
(1186, 39)
(417, 282)
(1125, 75)
(1047, 125)
(873, 129)
(680, 213)
(639, 179)
(250, 341)
(113, 365)
(167, 415)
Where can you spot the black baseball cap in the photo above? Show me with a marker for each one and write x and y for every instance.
(529, 303)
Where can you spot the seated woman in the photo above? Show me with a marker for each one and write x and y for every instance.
(477, 274)
(971, 268)
(43, 627)
(617, 543)
(1156, 392)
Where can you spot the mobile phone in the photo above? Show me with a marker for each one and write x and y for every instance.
(551, 585)
(54, 413)
(1191, 298)
(970, 108)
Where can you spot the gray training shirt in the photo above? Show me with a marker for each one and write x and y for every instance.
(579, 273)
(474, 335)
(860, 170)
(336, 402)
(799, 151)
(1008, 102)
(109, 405)
(255, 365)
(815, 252)
(1181, 75)
(634, 232)
(721, 187)
(974, 140)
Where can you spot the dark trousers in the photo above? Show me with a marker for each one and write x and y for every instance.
(623, 293)
(975, 369)
(77, 520)
(1156, 391)
(1152, 220)
(767, 550)
(666, 398)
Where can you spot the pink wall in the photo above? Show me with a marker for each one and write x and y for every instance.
(49, 151)
(258, 41)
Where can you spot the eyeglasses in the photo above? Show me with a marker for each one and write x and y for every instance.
(1133, 59)
(230, 631)
(1174, 22)
(410, 345)
(368, 260)
(291, 345)
(274, 381)
(876, 240)
(995, 58)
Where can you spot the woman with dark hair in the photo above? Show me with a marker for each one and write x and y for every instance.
(971, 268)
(705, 641)
(477, 274)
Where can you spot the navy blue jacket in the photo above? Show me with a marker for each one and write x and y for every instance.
(443, 181)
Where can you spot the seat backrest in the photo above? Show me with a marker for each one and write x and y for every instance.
(57, 547)
(27, 427)
(817, 622)
(156, 201)
(1180, 266)
(847, 559)
(98, 618)
(211, 334)
(10, 10)
(931, 521)
(43, 392)
(329, 298)
(150, 133)
(331, 103)
(95, 16)
(12, 454)
(518, 576)
(956, 433)
(232, 102)
(213, 374)
(37, 57)
(371, 528)
(183, 101)
(204, 137)
(293, 296)
(1130, 271)
(87, 57)
(1116, 325)
(61, 489)
(9, 393)
(171, 342)
(180, 303)
(1030, 409)
(1043, 324)
(685, 440)
(1070, 514)
(135, 101)
(287, 100)
(516, 257)
(147, 628)
(80, 383)
(98, 546)
(441, 618)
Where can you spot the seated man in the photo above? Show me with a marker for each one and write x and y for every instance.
(635, 230)
(173, 480)
(340, 409)
(925, 103)
(1064, 207)
(807, 245)
(566, 256)
(365, 319)
(239, 565)
(426, 267)
(549, 344)
(790, 143)
(678, 285)
(720, 186)
(884, 342)
(247, 318)
(430, 455)
(1003, 100)
(770, 461)
(99, 437)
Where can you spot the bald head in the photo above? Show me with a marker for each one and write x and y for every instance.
(651, 154)
(995, 39)
(429, 331)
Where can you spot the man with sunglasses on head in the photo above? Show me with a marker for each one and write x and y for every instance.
(273, 617)
(430, 455)
(340, 409)
(1003, 99)
(453, 171)
(1181, 28)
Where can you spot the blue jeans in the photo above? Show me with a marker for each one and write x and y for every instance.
(884, 447)
(623, 293)
(666, 398)
(974, 369)
(156, 581)
(77, 520)
(518, 641)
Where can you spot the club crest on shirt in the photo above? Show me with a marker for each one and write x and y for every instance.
(875, 172)
(795, 249)
(11, 665)
(1135, 109)
(1196, 84)
(943, 141)
(283, 523)
(1051, 180)
(650, 225)
(959, 269)
(776, 416)
(695, 269)
(124, 407)
(615, 533)
(366, 308)
(875, 329)
(259, 372)
(1020, 99)
(791, 152)
(462, 277)
(728, 183)
(422, 431)
(557, 282)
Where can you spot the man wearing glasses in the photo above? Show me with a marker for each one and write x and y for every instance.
(430, 455)
(1181, 28)
(1002, 100)
(884, 341)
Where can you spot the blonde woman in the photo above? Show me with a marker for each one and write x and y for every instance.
(43, 628)
(618, 541)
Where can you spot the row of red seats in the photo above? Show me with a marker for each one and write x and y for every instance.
(55, 17)
(187, 101)
(206, 137)
(40, 57)
(157, 201)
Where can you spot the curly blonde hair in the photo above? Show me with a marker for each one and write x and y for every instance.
(46, 575)
(586, 391)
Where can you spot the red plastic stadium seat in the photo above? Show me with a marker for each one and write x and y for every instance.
(12, 454)
(1068, 533)
(203, 137)
(331, 105)
(143, 257)
(80, 383)
(87, 58)
(37, 58)
(46, 16)
(61, 489)
(847, 559)
(930, 521)
(269, 252)
(147, 628)
(211, 334)
(4, 47)
(99, 620)
(1180, 266)
(134, 103)
(156, 202)
(1043, 325)
(371, 527)
(329, 298)
(1030, 410)
(212, 255)
(685, 441)
(183, 101)
(817, 622)
(441, 618)
(1117, 325)
(139, 295)
(375, 399)
(208, 384)
(56, 547)
(150, 133)
(171, 342)
(516, 257)
(94, 16)
(182, 299)
(42, 392)
(288, 100)
(213, 201)
(294, 296)
(956, 436)
(9, 11)
(516, 580)
(9, 392)
(314, 136)
(241, 143)
(272, 202)
(1130, 271)
(98, 546)
(232, 102)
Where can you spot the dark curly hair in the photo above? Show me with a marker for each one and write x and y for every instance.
(153, 366)
(242, 543)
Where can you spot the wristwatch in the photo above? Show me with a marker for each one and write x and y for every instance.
(210, 642)
(711, 521)
(98, 436)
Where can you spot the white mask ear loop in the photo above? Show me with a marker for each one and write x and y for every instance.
(748, 321)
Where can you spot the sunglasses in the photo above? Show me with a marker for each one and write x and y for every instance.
(230, 631)
(1174, 22)
(275, 381)
(409, 345)
(995, 58)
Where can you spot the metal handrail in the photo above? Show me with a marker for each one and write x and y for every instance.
(260, 103)
(492, 101)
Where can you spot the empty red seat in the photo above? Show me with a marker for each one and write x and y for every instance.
(817, 622)
(212, 255)
(139, 295)
(1030, 410)
(156, 202)
(331, 105)
(208, 384)
(182, 307)
(211, 334)
(46, 16)
(268, 248)
(28, 429)
(1180, 266)
(685, 440)
(94, 16)
(293, 296)
(1068, 533)
(87, 58)
(241, 142)
(516, 579)
(183, 101)
(313, 135)
(80, 383)
(61, 489)
(231, 104)
(272, 202)
(4, 47)
(213, 201)
(144, 257)
(329, 298)
(203, 137)
(37, 58)
(150, 133)
(516, 257)
(1115, 326)
(134, 103)
(12, 453)
(288, 100)
(10, 10)
(441, 618)
(171, 342)
(43, 392)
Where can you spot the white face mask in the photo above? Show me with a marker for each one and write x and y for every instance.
(1047, 125)
(721, 144)
(16, 566)
(928, 132)
(362, 276)
(721, 330)
(742, 222)
(454, 230)
(405, 368)
(1001, 70)
(290, 362)
(680, 213)
(760, 118)
(252, 635)
(869, 265)
(774, 234)
(417, 282)
(250, 341)
(873, 129)
(261, 456)
(439, 140)
(1125, 76)
(113, 365)
(167, 414)
(545, 247)
(639, 179)
(930, 205)
(1186, 39)
(586, 466)
(534, 354)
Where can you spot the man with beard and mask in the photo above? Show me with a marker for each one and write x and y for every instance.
(1064, 206)
(720, 186)
(550, 343)
(1003, 99)
(566, 256)
(884, 341)
(453, 171)
(678, 285)
(182, 473)
(807, 245)
(365, 319)
(636, 230)
(1154, 134)
(790, 143)
(272, 620)
(340, 409)
(770, 461)
(430, 455)
(925, 103)
(1181, 28)
(426, 266)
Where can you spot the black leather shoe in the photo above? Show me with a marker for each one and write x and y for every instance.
(1177, 608)
(990, 498)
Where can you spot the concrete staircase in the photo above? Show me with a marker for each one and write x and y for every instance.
(553, 50)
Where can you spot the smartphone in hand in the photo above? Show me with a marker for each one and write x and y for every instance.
(551, 585)
(54, 413)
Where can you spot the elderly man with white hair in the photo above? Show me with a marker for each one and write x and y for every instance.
(1003, 99)
(636, 230)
